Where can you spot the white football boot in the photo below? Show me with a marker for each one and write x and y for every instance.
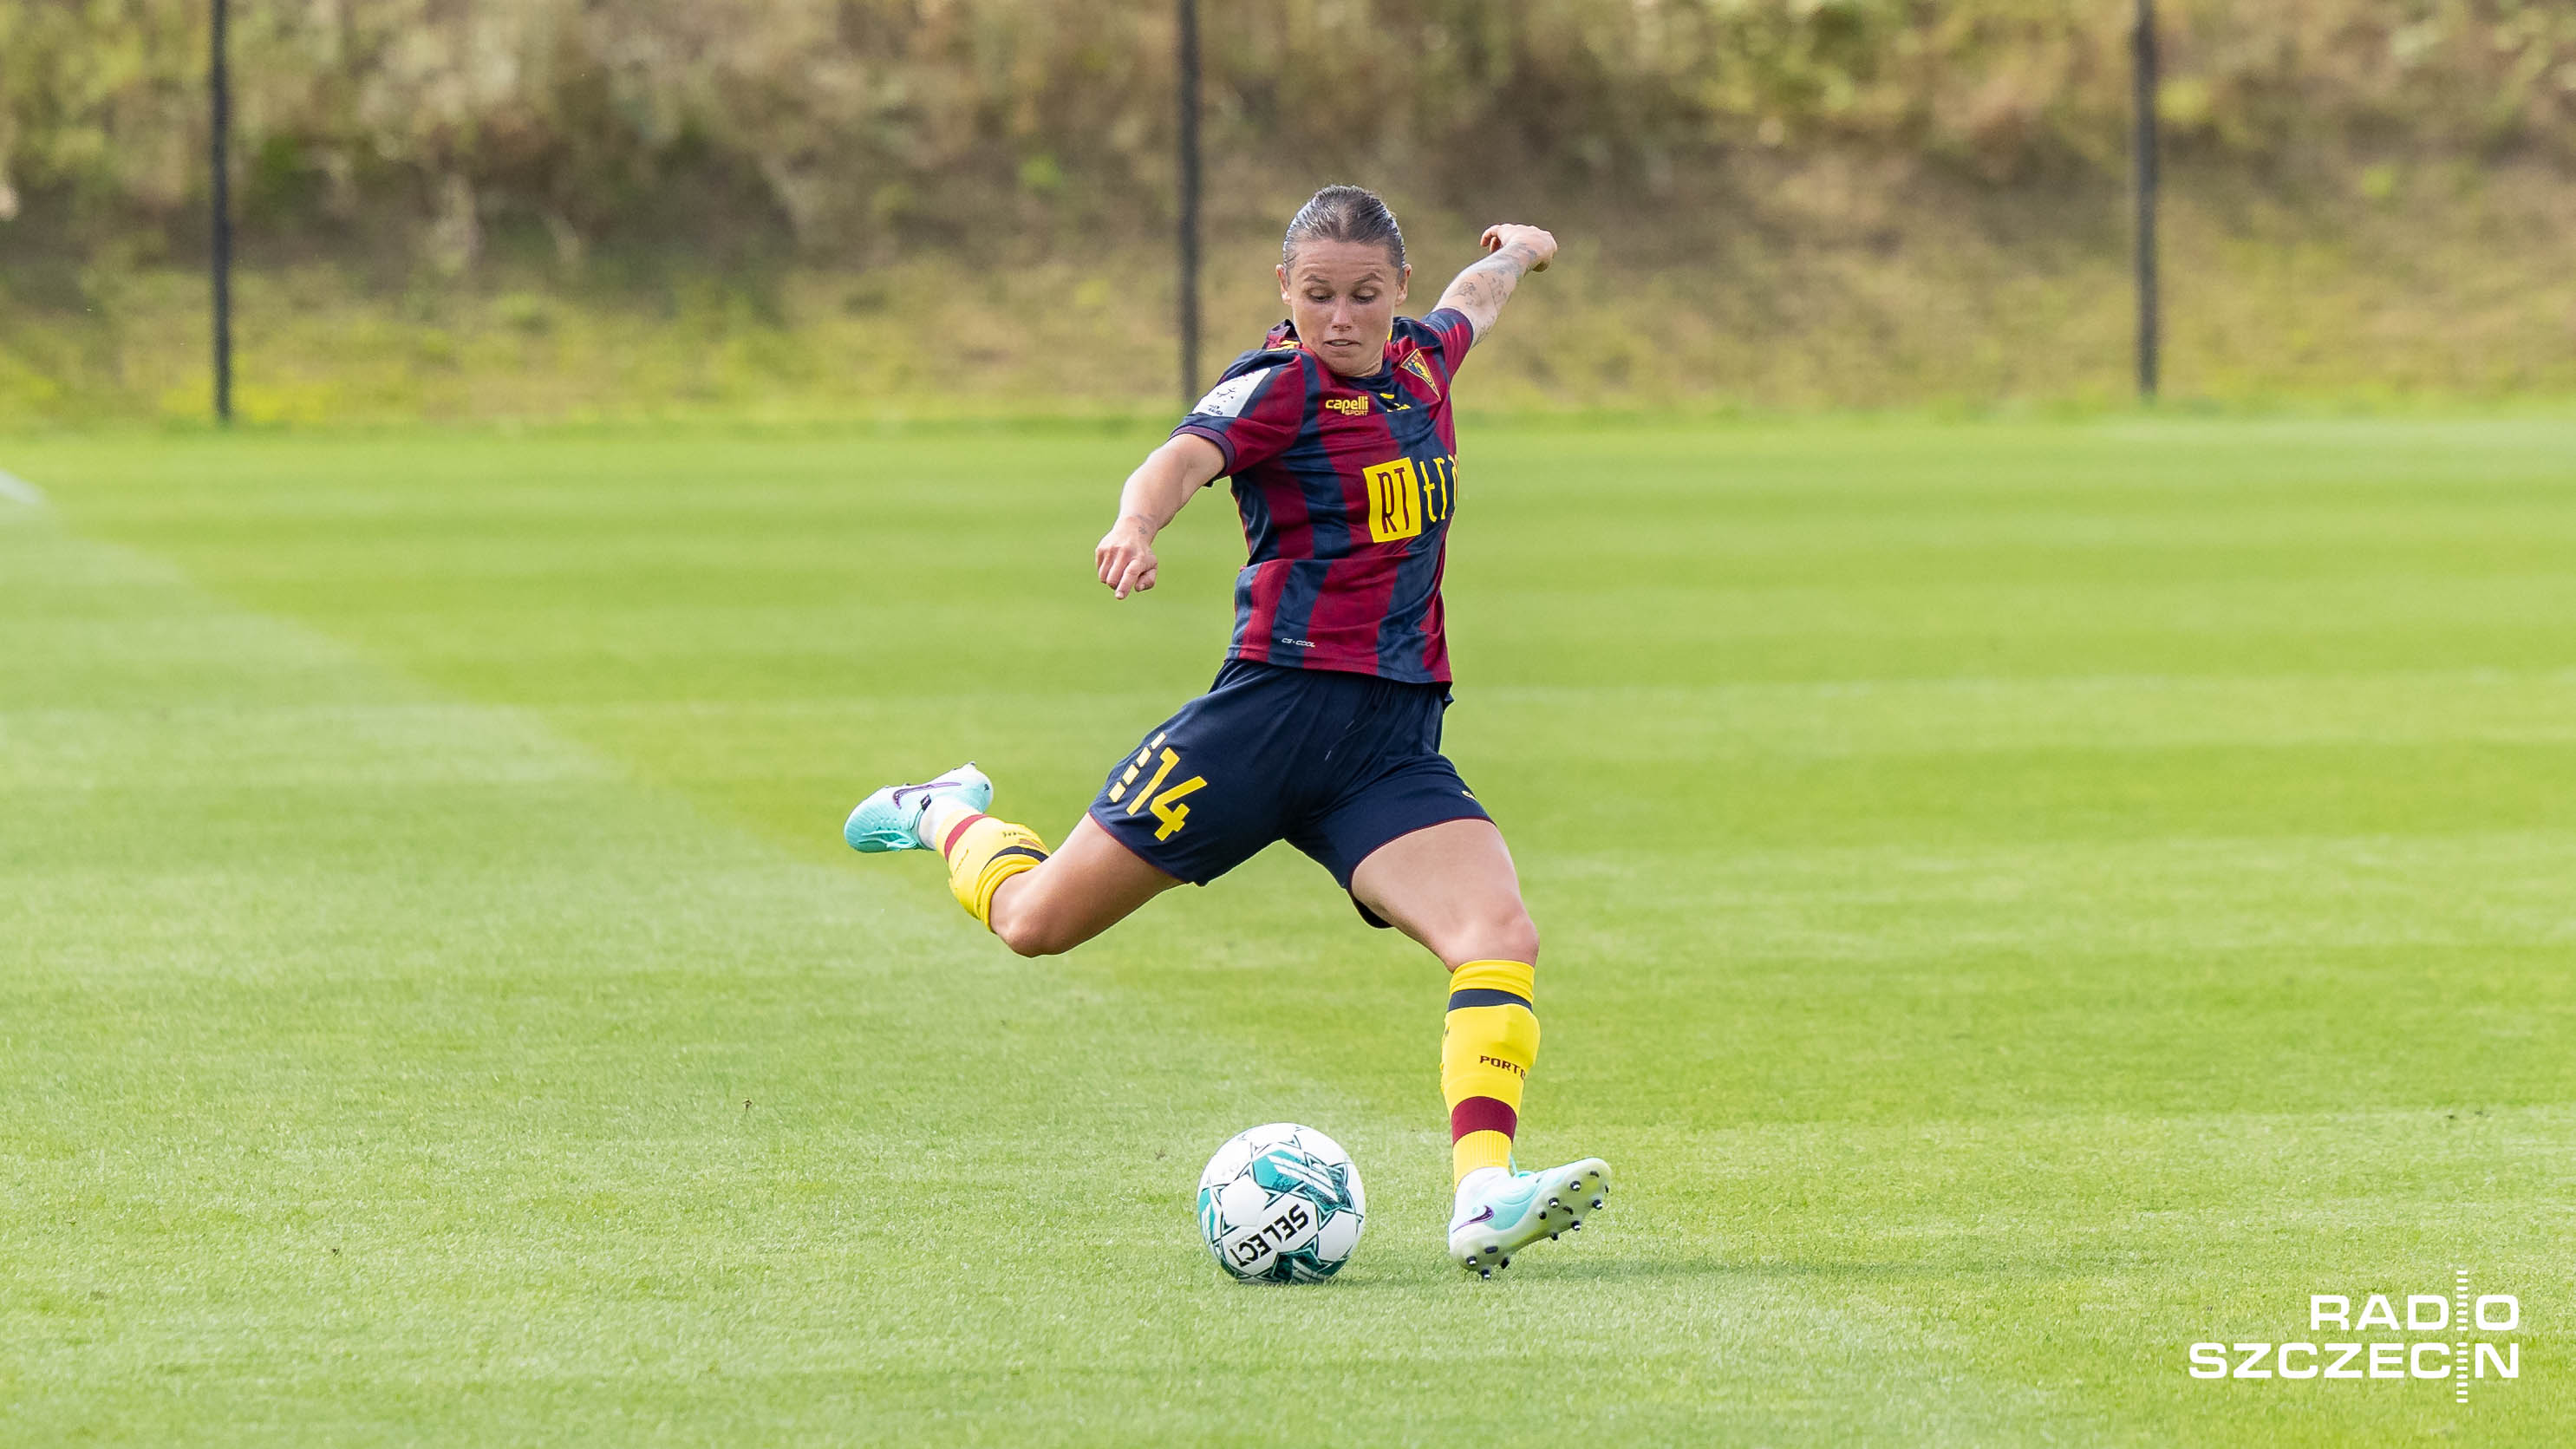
(893, 818)
(1501, 1212)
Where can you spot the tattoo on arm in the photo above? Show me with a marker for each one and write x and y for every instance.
(1481, 290)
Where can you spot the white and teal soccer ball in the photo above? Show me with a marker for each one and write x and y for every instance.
(1282, 1204)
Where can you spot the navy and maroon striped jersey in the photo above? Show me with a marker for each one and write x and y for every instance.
(1346, 485)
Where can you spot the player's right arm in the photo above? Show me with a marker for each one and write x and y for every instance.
(1154, 494)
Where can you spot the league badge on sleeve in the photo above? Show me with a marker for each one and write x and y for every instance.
(1226, 399)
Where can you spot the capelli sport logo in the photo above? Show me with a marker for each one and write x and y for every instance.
(2458, 1336)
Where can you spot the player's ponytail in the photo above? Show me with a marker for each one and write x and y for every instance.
(1344, 214)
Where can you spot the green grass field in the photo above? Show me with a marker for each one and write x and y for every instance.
(2019, 900)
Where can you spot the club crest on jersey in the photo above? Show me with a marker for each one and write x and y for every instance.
(1421, 369)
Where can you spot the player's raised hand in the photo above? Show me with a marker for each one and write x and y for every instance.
(1540, 246)
(1126, 559)
(1512, 251)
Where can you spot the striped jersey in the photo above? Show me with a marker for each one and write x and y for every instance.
(1346, 486)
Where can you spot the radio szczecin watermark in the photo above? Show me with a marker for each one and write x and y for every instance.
(2468, 1345)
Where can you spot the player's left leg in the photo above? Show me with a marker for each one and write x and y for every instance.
(1452, 887)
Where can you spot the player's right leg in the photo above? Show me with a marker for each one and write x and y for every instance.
(1090, 885)
(1038, 902)
(1200, 795)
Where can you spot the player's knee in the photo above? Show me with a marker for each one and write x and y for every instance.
(1032, 930)
(1505, 933)
(1026, 933)
(1018, 917)
(1023, 940)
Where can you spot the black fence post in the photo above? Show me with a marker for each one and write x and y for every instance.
(220, 263)
(2143, 49)
(1188, 63)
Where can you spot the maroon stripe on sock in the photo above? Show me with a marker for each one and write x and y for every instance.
(1482, 1114)
(956, 830)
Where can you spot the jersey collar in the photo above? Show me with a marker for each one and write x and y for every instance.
(1382, 380)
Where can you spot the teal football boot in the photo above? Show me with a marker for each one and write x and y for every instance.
(1507, 1212)
(891, 818)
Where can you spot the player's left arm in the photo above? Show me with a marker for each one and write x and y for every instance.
(1479, 292)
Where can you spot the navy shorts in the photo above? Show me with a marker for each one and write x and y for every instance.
(1335, 764)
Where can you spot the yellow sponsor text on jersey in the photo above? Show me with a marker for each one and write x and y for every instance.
(1395, 509)
(1354, 406)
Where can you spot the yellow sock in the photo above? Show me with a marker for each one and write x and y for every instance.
(983, 852)
(1486, 1051)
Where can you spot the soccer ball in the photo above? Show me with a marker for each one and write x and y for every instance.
(1282, 1204)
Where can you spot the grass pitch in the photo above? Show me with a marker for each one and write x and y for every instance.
(2019, 901)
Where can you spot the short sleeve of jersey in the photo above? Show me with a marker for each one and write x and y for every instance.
(1254, 413)
(1446, 335)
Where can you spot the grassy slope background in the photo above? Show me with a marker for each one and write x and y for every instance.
(836, 208)
(2020, 900)
(1828, 284)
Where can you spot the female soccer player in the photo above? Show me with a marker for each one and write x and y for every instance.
(1323, 725)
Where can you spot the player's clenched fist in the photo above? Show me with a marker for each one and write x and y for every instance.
(1126, 558)
(1537, 247)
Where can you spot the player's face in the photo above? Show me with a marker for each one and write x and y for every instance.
(1343, 296)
